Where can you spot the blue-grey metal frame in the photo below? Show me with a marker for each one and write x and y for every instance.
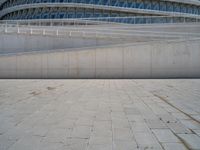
(80, 12)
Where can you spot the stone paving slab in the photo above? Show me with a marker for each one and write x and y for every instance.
(100, 114)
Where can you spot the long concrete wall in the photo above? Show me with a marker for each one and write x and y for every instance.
(148, 60)
(13, 43)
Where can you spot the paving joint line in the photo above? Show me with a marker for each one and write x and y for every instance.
(163, 99)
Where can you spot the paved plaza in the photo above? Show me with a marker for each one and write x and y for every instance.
(99, 114)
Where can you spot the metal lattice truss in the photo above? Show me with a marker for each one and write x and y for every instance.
(58, 9)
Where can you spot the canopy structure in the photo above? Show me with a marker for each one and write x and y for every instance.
(62, 9)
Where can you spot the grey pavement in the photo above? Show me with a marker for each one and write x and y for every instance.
(100, 114)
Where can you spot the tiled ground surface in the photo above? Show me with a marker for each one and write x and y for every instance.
(99, 114)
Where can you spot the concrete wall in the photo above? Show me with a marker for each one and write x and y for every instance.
(12, 43)
(147, 60)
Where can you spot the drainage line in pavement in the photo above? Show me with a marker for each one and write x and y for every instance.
(163, 99)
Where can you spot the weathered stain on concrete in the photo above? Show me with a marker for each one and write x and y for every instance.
(145, 60)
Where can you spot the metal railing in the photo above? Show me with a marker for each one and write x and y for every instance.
(90, 28)
(103, 20)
